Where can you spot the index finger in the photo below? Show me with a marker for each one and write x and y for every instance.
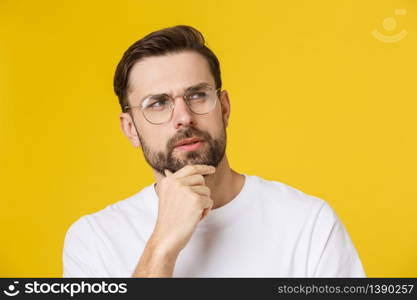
(194, 169)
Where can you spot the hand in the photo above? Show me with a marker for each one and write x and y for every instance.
(184, 200)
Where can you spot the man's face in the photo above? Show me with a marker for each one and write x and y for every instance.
(163, 144)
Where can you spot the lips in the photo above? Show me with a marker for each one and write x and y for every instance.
(188, 142)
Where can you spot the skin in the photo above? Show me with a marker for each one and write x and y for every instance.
(188, 195)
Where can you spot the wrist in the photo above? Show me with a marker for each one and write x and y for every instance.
(162, 250)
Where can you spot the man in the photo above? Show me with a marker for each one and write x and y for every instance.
(200, 218)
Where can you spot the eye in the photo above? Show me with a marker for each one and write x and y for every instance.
(157, 102)
(197, 95)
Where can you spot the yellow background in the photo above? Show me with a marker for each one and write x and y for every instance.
(317, 103)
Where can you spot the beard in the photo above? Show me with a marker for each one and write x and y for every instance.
(211, 153)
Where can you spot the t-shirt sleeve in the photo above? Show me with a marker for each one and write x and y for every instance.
(80, 255)
(332, 251)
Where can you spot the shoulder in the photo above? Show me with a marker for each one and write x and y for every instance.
(284, 198)
(138, 206)
(314, 226)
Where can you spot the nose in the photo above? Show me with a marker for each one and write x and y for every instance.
(182, 116)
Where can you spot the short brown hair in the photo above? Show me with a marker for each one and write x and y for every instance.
(168, 40)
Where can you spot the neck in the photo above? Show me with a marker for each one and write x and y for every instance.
(225, 184)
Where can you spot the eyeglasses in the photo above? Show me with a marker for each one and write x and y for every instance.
(158, 109)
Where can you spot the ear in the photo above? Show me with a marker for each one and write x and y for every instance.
(225, 106)
(129, 130)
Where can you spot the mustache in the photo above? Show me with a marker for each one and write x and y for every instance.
(189, 132)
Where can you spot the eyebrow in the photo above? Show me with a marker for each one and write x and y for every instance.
(189, 89)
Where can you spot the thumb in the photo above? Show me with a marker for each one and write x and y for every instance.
(206, 211)
(167, 172)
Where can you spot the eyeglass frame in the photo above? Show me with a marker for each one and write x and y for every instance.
(217, 91)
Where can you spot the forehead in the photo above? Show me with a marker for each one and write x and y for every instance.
(170, 73)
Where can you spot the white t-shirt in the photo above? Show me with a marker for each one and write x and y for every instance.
(268, 230)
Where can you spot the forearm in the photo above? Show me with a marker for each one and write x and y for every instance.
(156, 261)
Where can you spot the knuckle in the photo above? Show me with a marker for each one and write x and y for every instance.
(200, 178)
(195, 197)
(198, 200)
(194, 202)
(186, 189)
